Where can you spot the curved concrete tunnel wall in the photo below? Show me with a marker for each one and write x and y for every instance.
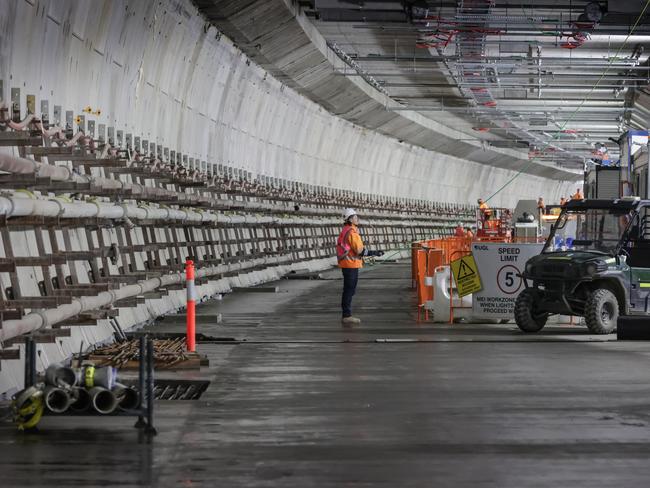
(155, 69)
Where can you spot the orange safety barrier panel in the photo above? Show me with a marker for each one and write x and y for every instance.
(426, 256)
(421, 259)
(434, 260)
(415, 246)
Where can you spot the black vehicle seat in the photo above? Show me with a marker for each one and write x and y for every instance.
(639, 254)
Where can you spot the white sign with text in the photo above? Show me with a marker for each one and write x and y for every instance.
(500, 266)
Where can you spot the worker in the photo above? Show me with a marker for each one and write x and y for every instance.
(562, 201)
(577, 195)
(350, 252)
(485, 210)
(490, 223)
(459, 232)
(483, 207)
(469, 233)
(541, 208)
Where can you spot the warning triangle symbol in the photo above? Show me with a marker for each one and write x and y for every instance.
(465, 270)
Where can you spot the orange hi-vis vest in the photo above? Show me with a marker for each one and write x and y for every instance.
(349, 247)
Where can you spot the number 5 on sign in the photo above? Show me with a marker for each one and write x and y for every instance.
(509, 279)
(466, 275)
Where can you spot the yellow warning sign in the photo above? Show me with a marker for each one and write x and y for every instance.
(466, 275)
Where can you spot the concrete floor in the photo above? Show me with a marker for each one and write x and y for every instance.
(300, 402)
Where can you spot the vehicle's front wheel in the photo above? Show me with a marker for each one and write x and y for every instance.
(601, 311)
(527, 318)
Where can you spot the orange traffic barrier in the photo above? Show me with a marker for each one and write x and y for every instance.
(421, 261)
(426, 256)
(415, 247)
(434, 260)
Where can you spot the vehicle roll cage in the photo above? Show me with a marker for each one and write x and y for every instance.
(621, 206)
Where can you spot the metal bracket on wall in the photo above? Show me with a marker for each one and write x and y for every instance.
(15, 105)
(31, 104)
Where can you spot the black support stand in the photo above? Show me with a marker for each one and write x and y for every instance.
(144, 412)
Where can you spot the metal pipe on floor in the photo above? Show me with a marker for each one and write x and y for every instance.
(81, 400)
(128, 398)
(103, 401)
(56, 399)
(57, 375)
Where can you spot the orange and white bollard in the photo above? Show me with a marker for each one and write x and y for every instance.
(191, 306)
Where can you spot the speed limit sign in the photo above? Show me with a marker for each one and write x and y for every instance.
(508, 279)
(500, 265)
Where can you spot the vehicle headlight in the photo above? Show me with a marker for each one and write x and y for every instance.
(529, 268)
(591, 269)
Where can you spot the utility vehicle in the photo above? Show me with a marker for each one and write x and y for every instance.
(595, 264)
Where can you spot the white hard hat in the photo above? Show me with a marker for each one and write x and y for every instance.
(348, 212)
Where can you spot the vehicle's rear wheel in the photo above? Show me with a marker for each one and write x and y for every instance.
(527, 318)
(601, 311)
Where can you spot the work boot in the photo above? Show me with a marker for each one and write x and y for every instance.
(350, 321)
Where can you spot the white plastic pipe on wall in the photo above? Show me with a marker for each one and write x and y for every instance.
(40, 319)
(23, 204)
(16, 165)
(13, 164)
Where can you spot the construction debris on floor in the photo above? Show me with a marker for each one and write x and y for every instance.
(167, 353)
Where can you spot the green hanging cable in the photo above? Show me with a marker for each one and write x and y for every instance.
(584, 100)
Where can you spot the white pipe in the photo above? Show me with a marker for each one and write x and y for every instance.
(18, 165)
(6, 206)
(39, 319)
(22, 204)
(14, 164)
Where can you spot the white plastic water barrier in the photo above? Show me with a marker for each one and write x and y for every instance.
(440, 303)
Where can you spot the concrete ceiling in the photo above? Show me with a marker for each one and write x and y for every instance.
(404, 70)
(558, 81)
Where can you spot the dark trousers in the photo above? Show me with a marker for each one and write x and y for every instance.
(350, 278)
